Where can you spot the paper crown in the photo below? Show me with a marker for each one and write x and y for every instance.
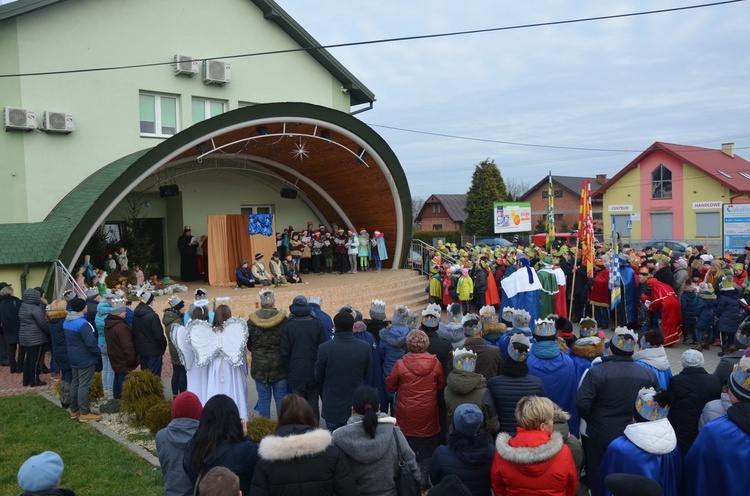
(465, 360)
(518, 347)
(91, 293)
(314, 300)
(411, 320)
(69, 295)
(471, 324)
(431, 315)
(174, 300)
(377, 306)
(200, 294)
(588, 327)
(455, 313)
(521, 318)
(647, 407)
(740, 337)
(739, 381)
(267, 297)
(400, 316)
(488, 315)
(508, 313)
(119, 293)
(624, 339)
(544, 327)
(145, 296)
(201, 304)
(117, 306)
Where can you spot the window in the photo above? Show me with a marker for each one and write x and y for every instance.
(437, 227)
(436, 208)
(205, 109)
(708, 224)
(558, 193)
(256, 209)
(158, 114)
(596, 216)
(545, 194)
(661, 183)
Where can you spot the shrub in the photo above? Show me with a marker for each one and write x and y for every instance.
(140, 391)
(260, 427)
(97, 390)
(159, 416)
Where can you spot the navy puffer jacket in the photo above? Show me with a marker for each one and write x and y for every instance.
(704, 311)
(728, 310)
(506, 391)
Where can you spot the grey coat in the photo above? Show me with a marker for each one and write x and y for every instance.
(374, 462)
(34, 328)
(170, 447)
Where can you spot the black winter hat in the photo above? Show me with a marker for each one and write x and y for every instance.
(343, 322)
(78, 304)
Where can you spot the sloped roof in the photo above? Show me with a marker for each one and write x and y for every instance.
(714, 163)
(454, 205)
(41, 242)
(571, 183)
(358, 92)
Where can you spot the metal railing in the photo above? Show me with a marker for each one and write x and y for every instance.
(63, 280)
(420, 254)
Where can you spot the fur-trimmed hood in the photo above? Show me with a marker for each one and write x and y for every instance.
(453, 333)
(266, 318)
(588, 348)
(528, 456)
(294, 441)
(56, 314)
(355, 442)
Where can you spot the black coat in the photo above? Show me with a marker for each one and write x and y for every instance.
(148, 332)
(241, 458)
(300, 338)
(469, 460)
(693, 388)
(302, 461)
(442, 349)
(9, 306)
(343, 365)
(607, 394)
(506, 391)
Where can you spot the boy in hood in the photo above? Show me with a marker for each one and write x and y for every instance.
(653, 356)
(171, 442)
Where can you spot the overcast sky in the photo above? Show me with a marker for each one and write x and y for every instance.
(680, 77)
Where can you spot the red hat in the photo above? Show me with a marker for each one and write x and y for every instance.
(351, 230)
(187, 405)
(316, 233)
(362, 229)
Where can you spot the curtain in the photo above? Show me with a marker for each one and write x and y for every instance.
(228, 243)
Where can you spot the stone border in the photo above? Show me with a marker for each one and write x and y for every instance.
(142, 453)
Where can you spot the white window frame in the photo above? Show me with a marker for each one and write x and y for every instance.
(253, 209)
(207, 107)
(157, 114)
(437, 208)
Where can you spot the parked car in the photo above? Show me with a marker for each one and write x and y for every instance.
(675, 246)
(501, 242)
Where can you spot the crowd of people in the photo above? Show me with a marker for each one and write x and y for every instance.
(457, 398)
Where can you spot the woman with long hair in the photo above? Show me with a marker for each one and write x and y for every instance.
(220, 356)
(221, 441)
(369, 442)
(301, 458)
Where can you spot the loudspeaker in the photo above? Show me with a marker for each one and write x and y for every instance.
(169, 190)
(289, 193)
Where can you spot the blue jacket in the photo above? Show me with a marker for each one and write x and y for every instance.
(558, 373)
(705, 306)
(326, 319)
(102, 312)
(728, 310)
(392, 346)
(688, 302)
(726, 436)
(80, 339)
(59, 348)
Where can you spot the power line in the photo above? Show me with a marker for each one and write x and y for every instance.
(382, 40)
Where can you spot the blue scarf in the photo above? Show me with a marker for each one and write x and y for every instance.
(546, 350)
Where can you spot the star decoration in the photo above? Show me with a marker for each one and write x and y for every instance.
(300, 151)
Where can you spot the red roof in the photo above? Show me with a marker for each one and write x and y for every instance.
(718, 165)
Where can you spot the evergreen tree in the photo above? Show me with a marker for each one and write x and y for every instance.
(487, 187)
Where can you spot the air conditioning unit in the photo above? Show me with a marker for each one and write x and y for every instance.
(184, 64)
(217, 72)
(19, 118)
(58, 122)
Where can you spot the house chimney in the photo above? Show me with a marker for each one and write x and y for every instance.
(728, 148)
(601, 178)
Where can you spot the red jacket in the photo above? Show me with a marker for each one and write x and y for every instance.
(534, 462)
(416, 379)
(599, 292)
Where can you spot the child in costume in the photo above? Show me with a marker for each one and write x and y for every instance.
(363, 250)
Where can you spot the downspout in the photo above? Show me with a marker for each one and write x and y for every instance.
(24, 275)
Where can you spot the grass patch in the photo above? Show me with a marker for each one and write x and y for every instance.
(94, 464)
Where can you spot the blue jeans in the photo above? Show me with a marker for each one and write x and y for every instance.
(108, 375)
(117, 386)
(601, 314)
(265, 390)
(332, 426)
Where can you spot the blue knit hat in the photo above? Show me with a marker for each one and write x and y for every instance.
(467, 419)
(41, 472)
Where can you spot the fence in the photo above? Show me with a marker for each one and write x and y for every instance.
(64, 281)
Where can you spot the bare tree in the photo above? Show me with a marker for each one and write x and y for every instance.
(416, 206)
(517, 186)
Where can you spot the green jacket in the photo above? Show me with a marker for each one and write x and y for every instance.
(264, 341)
(470, 387)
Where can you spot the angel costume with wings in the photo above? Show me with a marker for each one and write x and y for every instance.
(219, 356)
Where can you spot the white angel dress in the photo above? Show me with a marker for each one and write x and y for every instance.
(220, 357)
(197, 381)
